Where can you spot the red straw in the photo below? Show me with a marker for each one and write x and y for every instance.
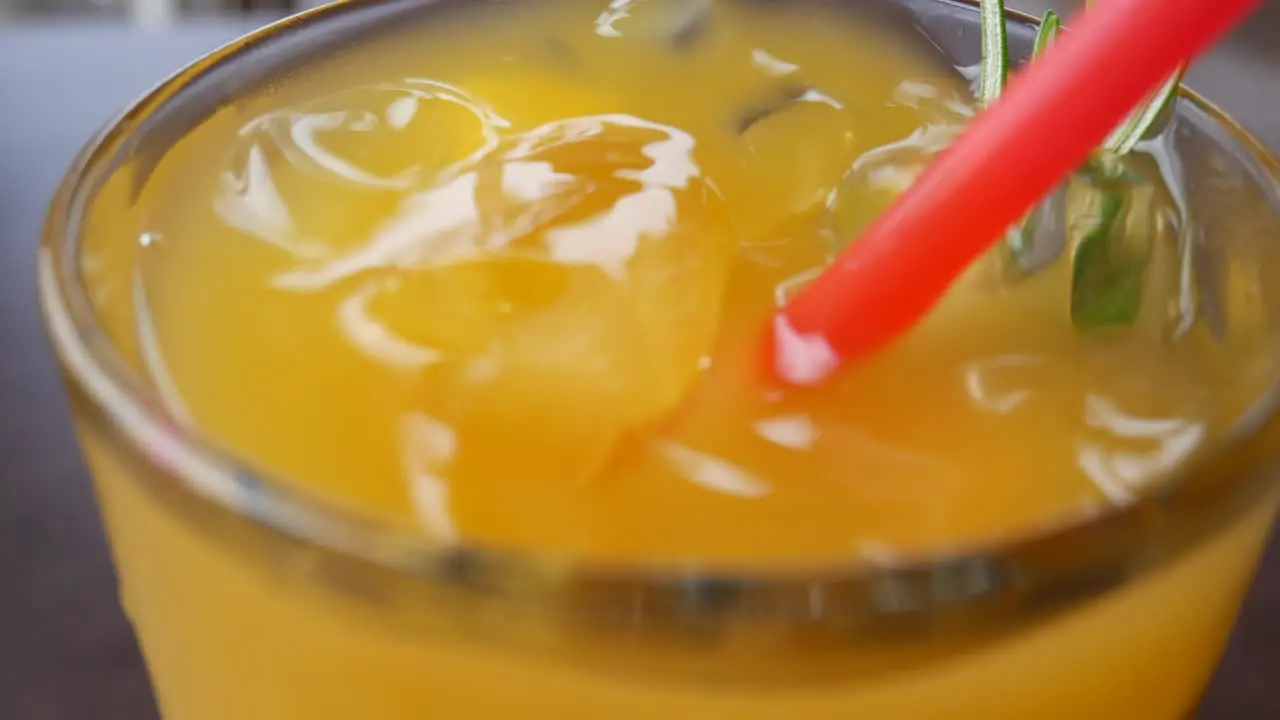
(1050, 118)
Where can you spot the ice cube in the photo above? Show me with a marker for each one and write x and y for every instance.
(878, 175)
(311, 179)
(572, 277)
(789, 152)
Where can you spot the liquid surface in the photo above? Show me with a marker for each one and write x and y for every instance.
(507, 288)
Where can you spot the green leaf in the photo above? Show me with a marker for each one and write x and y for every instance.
(1142, 123)
(995, 51)
(1047, 33)
(1106, 278)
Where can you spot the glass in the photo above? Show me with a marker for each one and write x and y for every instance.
(254, 603)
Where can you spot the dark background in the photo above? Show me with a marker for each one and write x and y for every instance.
(66, 652)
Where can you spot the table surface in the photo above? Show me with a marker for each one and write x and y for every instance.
(66, 651)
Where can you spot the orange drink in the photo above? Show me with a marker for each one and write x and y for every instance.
(415, 352)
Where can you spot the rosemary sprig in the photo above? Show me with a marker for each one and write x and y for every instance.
(1143, 122)
(1114, 278)
(995, 51)
(1107, 279)
(1145, 119)
(1046, 33)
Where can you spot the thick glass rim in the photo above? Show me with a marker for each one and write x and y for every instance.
(1011, 579)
